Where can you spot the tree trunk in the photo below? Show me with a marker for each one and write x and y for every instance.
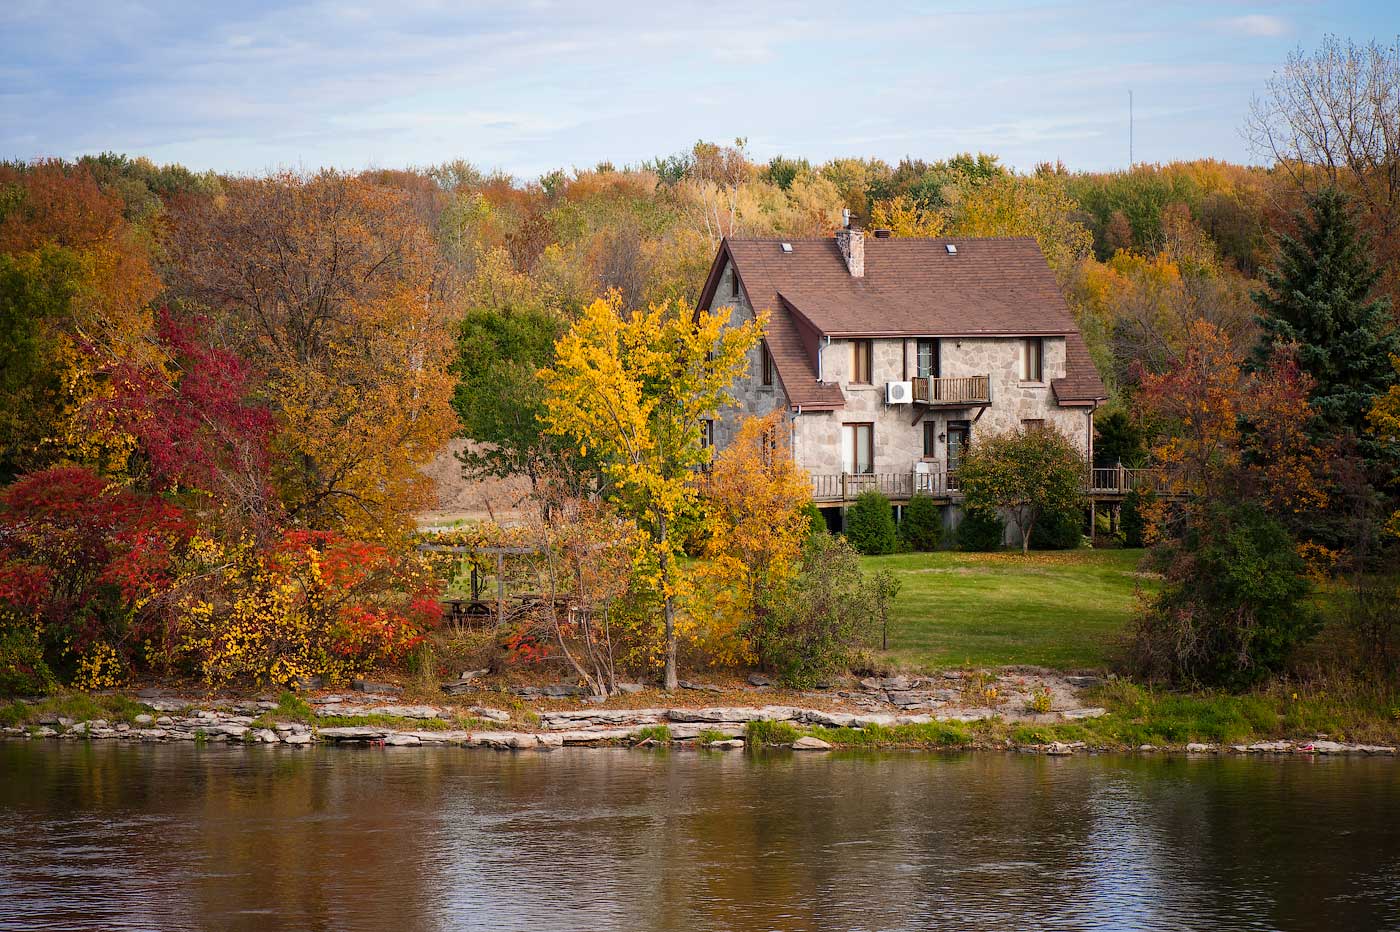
(669, 681)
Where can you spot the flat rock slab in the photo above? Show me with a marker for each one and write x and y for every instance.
(1072, 715)
(602, 717)
(808, 743)
(770, 713)
(382, 689)
(354, 733)
(513, 740)
(396, 711)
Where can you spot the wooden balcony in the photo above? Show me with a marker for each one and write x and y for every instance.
(1109, 485)
(962, 392)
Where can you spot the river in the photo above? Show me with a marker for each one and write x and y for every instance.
(153, 837)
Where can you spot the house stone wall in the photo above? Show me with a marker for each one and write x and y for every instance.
(750, 395)
(899, 440)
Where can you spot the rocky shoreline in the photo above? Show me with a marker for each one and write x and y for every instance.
(716, 727)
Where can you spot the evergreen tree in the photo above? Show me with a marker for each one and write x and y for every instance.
(1318, 296)
(870, 525)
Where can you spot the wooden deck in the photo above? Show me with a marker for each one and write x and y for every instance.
(1101, 485)
(960, 392)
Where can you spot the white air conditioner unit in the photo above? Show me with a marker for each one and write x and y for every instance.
(899, 393)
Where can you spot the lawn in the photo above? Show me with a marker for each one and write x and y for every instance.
(1061, 609)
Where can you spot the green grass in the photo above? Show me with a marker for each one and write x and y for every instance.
(80, 707)
(1059, 609)
(758, 734)
(661, 734)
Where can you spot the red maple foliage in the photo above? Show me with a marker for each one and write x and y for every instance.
(194, 421)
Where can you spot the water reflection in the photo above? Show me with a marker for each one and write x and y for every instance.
(177, 837)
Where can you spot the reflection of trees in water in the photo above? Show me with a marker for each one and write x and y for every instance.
(183, 837)
(1301, 843)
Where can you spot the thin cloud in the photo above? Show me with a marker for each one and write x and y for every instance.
(1257, 25)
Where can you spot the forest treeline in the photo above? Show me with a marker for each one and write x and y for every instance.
(235, 380)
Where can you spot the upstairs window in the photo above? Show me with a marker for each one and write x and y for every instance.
(734, 289)
(926, 359)
(707, 433)
(862, 361)
(1033, 360)
(767, 364)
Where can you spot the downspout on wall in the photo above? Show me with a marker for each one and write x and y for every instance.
(826, 341)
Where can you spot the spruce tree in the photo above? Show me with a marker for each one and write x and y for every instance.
(1318, 296)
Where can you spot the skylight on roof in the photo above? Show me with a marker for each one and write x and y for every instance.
(787, 247)
(952, 249)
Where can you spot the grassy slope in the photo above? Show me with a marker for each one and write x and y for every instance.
(1054, 609)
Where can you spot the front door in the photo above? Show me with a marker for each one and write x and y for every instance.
(959, 434)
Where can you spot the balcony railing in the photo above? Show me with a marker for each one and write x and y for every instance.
(1120, 480)
(940, 482)
(961, 391)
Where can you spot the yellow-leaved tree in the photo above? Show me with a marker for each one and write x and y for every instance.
(757, 521)
(633, 389)
(1385, 423)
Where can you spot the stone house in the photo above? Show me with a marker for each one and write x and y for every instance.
(889, 356)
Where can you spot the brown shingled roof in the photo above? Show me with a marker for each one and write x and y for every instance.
(911, 287)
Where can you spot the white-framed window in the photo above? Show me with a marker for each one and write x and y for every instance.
(858, 448)
(1032, 360)
(926, 359)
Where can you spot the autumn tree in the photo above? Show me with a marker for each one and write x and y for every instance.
(631, 389)
(76, 282)
(1037, 205)
(1236, 447)
(330, 286)
(1024, 474)
(1331, 117)
(197, 433)
(756, 502)
(1384, 422)
(1237, 434)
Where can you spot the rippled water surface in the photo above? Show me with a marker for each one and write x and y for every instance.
(114, 837)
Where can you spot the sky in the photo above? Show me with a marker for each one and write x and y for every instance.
(528, 87)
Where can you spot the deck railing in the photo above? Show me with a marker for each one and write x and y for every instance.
(1120, 480)
(963, 390)
(943, 483)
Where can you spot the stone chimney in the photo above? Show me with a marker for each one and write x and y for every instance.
(852, 245)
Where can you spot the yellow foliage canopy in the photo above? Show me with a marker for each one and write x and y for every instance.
(756, 501)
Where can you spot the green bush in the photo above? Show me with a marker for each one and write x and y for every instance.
(1234, 604)
(814, 514)
(1132, 523)
(981, 530)
(23, 671)
(1058, 530)
(813, 628)
(870, 525)
(922, 528)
